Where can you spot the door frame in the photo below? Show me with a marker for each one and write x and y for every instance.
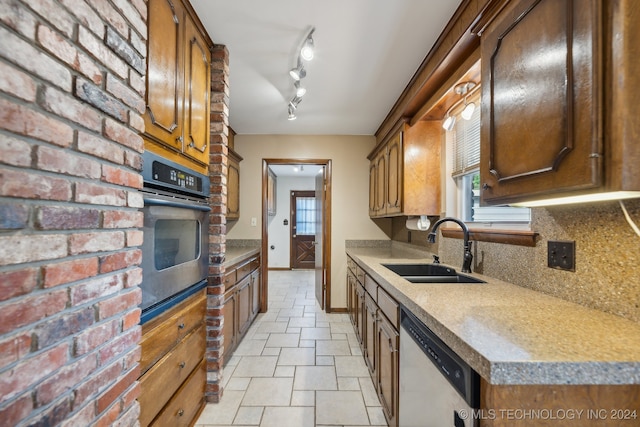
(326, 235)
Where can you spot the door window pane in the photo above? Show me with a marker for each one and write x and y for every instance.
(305, 216)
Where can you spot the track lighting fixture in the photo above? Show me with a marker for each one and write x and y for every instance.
(298, 73)
(464, 89)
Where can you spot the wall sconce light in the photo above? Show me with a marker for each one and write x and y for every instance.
(464, 89)
(298, 73)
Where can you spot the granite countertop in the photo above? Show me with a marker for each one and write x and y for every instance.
(510, 334)
(235, 254)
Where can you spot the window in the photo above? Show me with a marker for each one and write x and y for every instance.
(463, 152)
(306, 216)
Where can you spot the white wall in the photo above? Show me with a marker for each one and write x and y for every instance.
(279, 233)
(350, 192)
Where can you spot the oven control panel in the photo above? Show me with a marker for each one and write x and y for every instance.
(164, 174)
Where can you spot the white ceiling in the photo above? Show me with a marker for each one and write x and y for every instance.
(301, 171)
(366, 53)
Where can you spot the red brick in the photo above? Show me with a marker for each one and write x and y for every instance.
(57, 328)
(24, 121)
(136, 121)
(129, 416)
(86, 15)
(123, 49)
(68, 53)
(132, 15)
(120, 260)
(137, 82)
(131, 319)
(54, 414)
(113, 393)
(96, 288)
(17, 17)
(92, 338)
(17, 249)
(66, 218)
(14, 151)
(16, 411)
(101, 241)
(69, 271)
(100, 147)
(123, 135)
(31, 371)
(125, 94)
(122, 219)
(101, 52)
(120, 345)
(120, 176)
(133, 160)
(132, 358)
(109, 14)
(100, 195)
(65, 162)
(96, 383)
(68, 107)
(129, 396)
(135, 199)
(82, 417)
(16, 283)
(14, 348)
(119, 304)
(65, 380)
(28, 310)
(133, 277)
(16, 83)
(134, 238)
(108, 417)
(95, 96)
(26, 56)
(54, 14)
(138, 41)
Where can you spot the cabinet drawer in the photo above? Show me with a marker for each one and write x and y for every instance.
(255, 263)
(187, 402)
(229, 279)
(162, 333)
(371, 286)
(360, 274)
(351, 265)
(389, 307)
(163, 379)
(243, 271)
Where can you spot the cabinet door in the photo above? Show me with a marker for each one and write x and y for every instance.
(244, 305)
(255, 293)
(372, 187)
(197, 94)
(381, 183)
(352, 297)
(370, 333)
(387, 359)
(361, 313)
(233, 190)
(541, 119)
(229, 327)
(393, 204)
(165, 76)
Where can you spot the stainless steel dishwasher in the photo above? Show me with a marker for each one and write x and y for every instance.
(437, 388)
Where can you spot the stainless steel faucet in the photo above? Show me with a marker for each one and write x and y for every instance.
(467, 257)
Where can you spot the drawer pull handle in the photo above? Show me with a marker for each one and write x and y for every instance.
(182, 365)
(181, 326)
(181, 412)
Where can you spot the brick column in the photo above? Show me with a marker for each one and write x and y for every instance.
(217, 228)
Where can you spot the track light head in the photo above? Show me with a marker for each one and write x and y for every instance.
(306, 52)
(300, 91)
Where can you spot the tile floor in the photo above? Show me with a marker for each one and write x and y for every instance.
(296, 366)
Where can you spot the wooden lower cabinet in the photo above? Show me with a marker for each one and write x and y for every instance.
(374, 314)
(173, 347)
(241, 301)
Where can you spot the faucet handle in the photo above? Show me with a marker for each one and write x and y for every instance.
(436, 259)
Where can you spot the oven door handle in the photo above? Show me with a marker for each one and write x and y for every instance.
(160, 202)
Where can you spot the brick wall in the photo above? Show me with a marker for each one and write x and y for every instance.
(71, 98)
(217, 229)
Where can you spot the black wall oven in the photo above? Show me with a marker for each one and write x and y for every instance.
(175, 250)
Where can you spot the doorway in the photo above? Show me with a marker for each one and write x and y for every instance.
(322, 240)
(302, 233)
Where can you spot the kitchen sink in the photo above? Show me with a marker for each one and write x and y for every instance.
(430, 273)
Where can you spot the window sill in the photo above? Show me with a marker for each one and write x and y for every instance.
(508, 237)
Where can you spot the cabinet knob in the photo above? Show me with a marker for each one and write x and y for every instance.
(181, 412)
(486, 186)
(181, 326)
(182, 365)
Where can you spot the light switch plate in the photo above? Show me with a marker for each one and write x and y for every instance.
(561, 255)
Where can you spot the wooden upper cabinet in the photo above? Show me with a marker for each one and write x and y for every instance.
(405, 172)
(178, 85)
(197, 95)
(163, 119)
(233, 186)
(547, 73)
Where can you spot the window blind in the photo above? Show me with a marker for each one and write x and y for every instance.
(466, 143)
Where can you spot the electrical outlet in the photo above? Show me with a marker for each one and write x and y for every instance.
(254, 221)
(561, 255)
